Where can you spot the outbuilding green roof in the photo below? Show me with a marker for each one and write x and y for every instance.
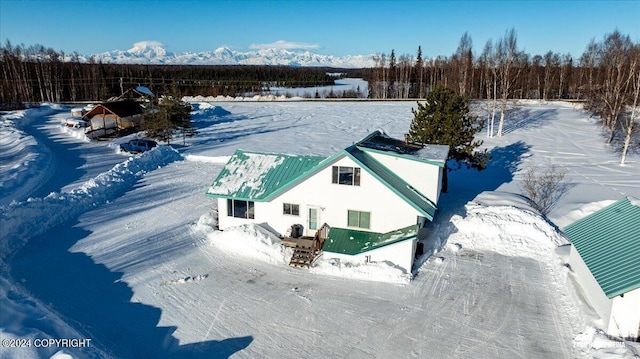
(351, 241)
(258, 176)
(609, 243)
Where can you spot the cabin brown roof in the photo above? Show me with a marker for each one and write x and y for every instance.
(119, 108)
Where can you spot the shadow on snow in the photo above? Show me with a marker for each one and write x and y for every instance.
(227, 127)
(65, 156)
(464, 185)
(99, 302)
(520, 118)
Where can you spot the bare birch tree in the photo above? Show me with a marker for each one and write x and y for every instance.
(629, 123)
(612, 95)
(464, 57)
(488, 57)
(588, 62)
(507, 52)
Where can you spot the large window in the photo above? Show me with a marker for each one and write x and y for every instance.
(359, 219)
(346, 175)
(291, 209)
(240, 209)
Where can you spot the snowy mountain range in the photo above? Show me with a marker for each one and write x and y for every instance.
(150, 54)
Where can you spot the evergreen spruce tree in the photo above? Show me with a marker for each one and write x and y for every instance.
(168, 115)
(416, 88)
(391, 89)
(444, 119)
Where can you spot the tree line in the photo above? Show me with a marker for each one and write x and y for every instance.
(606, 76)
(500, 67)
(39, 74)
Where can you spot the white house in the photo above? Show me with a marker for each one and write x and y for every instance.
(374, 195)
(605, 256)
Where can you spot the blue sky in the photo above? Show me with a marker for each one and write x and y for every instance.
(326, 27)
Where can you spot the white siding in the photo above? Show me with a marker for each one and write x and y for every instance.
(401, 254)
(224, 221)
(388, 211)
(625, 315)
(425, 177)
(598, 300)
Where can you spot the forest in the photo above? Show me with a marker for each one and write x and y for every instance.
(38, 74)
(606, 76)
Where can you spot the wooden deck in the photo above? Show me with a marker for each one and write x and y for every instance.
(306, 248)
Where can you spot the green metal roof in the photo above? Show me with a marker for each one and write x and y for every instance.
(380, 142)
(609, 243)
(258, 176)
(351, 241)
(400, 155)
(399, 186)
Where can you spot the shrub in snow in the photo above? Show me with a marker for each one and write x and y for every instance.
(544, 188)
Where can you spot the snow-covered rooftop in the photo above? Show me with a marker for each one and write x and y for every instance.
(255, 176)
(378, 140)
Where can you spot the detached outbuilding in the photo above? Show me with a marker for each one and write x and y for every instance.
(605, 256)
(372, 197)
(109, 117)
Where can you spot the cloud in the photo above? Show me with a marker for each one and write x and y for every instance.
(288, 45)
(147, 43)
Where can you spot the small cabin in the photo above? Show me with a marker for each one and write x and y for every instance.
(110, 117)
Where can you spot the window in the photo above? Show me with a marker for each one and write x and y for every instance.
(359, 219)
(240, 209)
(345, 175)
(292, 209)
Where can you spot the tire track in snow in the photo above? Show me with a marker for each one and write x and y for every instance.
(25, 220)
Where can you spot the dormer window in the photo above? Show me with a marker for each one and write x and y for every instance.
(346, 175)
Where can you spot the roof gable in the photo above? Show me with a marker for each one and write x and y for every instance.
(609, 243)
(259, 176)
(400, 187)
(121, 109)
(352, 242)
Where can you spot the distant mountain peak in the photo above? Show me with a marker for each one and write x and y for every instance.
(153, 52)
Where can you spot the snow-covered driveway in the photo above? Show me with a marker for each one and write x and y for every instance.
(120, 255)
(473, 304)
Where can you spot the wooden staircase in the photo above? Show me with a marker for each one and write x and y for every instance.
(305, 249)
(303, 253)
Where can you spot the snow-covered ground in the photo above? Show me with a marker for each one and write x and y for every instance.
(121, 249)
